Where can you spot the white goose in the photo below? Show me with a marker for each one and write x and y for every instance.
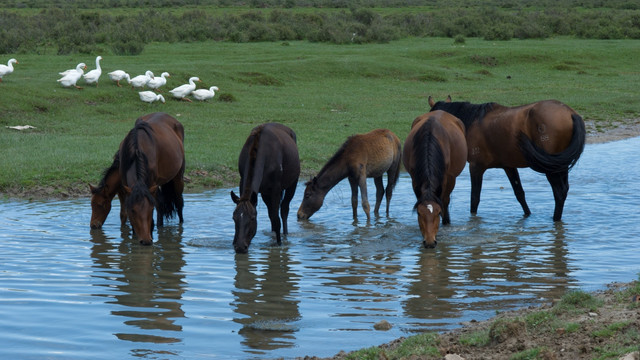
(158, 81)
(94, 75)
(204, 94)
(141, 80)
(183, 90)
(72, 77)
(118, 75)
(150, 96)
(7, 69)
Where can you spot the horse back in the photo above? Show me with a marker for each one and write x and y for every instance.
(449, 131)
(269, 158)
(377, 150)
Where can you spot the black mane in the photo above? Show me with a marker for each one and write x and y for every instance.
(131, 155)
(430, 166)
(465, 111)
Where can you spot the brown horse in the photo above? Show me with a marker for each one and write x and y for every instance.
(360, 157)
(102, 195)
(547, 136)
(434, 154)
(151, 169)
(268, 164)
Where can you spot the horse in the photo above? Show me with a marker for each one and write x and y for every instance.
(546, 136)
(101, 196)
(152, 163)
(269, 164)
(434, 154)
(361, 156)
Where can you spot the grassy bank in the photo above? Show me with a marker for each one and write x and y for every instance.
(580, 325)
(324, 92)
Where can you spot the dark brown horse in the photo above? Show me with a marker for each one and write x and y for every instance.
(360, 157)
(103, 194)
(151, 168)
(547, 136)
(268, 164)
(435, 153)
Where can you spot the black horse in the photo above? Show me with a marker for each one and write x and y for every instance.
(268, 164)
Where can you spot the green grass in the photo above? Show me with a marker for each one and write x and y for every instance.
(324, 92)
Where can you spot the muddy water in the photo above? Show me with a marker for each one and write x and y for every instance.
(70, 293)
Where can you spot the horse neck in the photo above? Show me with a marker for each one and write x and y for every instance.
(331, 174)
(113, 182)
(430, 168)
(254, 168)
(468, 113)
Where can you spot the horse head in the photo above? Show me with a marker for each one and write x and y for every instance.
(245, 219)
(140, 204)
(100, 206)
(429, 221)
(312, 200)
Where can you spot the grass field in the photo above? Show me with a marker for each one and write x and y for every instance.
(324, 92)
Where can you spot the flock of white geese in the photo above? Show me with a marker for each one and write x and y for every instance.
(70, 78)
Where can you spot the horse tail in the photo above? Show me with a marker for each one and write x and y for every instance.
(541, 161)
(391, 183)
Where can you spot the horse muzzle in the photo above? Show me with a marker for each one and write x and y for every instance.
(430, 244)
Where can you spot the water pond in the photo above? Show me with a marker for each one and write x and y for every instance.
(67, 292)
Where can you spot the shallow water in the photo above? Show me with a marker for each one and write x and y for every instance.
(70, 293)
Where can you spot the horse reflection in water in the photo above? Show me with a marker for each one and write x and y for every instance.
(266, 300)
(360, 157)
(547, 136)
(149, 293)
(435, 153)
(268, 164)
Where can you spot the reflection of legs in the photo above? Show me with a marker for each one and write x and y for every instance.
(379, 195)
(516, 184)
(560, 186)
(284, 206)
(476, 185)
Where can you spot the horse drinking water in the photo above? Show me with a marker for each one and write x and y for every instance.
(434, 154)
(268, 164)
(361, 156)
(151, 170)
(547, 136)
(102, 195)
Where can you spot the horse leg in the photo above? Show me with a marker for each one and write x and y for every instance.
(354, 196)
(284, 206)
(379, 195)
(476, 185)
(365, 197)
(446, 198)
(560, 186)
(516, 184)
(273, 201)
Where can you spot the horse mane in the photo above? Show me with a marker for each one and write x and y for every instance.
(251, 164)
(139, 192)
(335, 157)
(131, 155)
(465, 111)
(430, 166)
(115, 166)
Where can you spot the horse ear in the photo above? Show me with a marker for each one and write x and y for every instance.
(431, 102)
(448, 99)
(234, 197)
(127, 189)
(92, 188)
(153, 190)
(254, 198)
